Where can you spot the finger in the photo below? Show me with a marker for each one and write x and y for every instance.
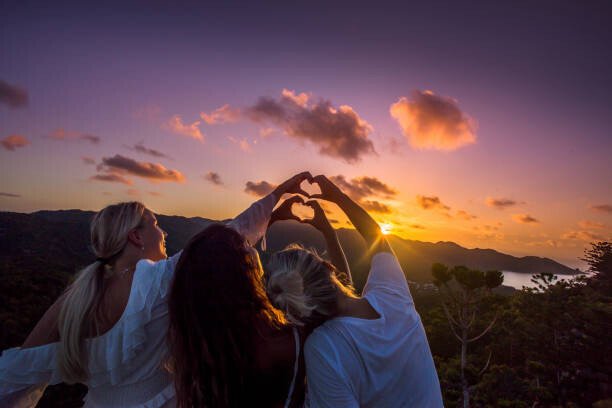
(294, 199)
(302, 192)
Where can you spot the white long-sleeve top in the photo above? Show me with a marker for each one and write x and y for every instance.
(125, 363)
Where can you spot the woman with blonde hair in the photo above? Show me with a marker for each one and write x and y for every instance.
(368, 351)
(108, 330)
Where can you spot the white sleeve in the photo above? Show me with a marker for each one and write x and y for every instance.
(327, 388)
(386, 274)
(252, 223)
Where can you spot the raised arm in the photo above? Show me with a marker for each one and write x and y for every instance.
(253, 222)
(365, 224)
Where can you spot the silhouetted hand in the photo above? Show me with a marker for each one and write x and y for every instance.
(292, 185)
(283, 212)
(329, 191)
(319, 221)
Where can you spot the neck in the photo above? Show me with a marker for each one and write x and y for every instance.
(124, 264)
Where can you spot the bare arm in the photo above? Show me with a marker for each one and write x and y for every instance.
(365, 224)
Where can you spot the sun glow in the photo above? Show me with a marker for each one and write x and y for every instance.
(385, 228)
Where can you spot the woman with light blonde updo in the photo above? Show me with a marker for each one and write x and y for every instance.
(362, 351)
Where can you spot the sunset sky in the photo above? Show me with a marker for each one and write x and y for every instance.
(482, 123)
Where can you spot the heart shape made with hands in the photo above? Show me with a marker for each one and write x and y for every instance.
(310, 188)
(303, 212)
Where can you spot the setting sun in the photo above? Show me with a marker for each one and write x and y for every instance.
(385, 228)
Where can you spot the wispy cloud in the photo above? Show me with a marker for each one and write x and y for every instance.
(431, 121)
(367, 191)
(376, 206)
(500, 203)
(112, 178)
(586, 236)
(603, 208)
(121, 165)
(141, 148)
(224, 114)
(214, 178)
(524, 219)
(13, 96)
(337, 132)
(243, 143)
(587, 224)
(88, 160)
(14, 142)
(63, 134)
(192, 130)
(465, 215)
(259, 188)
(431, 203)
(9, 195)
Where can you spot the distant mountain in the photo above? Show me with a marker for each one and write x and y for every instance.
(59, 240)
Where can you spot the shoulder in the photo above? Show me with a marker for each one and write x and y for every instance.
(151, 275)
(386, 275)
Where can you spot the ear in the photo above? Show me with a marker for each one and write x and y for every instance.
(135, 237)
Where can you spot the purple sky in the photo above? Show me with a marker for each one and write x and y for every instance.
(492, 102)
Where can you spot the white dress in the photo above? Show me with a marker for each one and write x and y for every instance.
(125, 363)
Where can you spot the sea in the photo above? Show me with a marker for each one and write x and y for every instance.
(518, 280)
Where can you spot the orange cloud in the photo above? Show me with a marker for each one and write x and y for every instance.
(500, 203)
(337, 132)
(214, 178)
(62, 134)
(604, 208)
(14, 142)
(242, 143)
(361, 187)
(152, 171)
(524, 219)
(586, 224)
(582, 236)
(431, 203)
(259, 188)
(375, 206)
(430, 121)
(465, 215)
(224, 114)
(12, 95)
(176, 125)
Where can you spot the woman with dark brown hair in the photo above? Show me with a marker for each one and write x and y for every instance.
(229, 346)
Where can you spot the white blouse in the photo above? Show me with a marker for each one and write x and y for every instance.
(125, 363)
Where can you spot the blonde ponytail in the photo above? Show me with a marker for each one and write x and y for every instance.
(79, 313)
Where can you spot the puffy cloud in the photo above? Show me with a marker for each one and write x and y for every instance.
(12, 95)
(62, 134)
(141, 148)
(88, 160)
(524, 219)
(152, 171)
(431, 203)
(14, 142)
(214, 178)
(259, 188)
(111, 177)
(337, 132)
(224, 114)
(176, 125)
(10, 195)
(500, 203)
(604, 208)
(586, 224)
(431, 121)
(361, 187)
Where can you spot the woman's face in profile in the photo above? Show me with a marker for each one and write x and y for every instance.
(154, 238)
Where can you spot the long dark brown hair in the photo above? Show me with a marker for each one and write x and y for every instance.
(216, 304)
